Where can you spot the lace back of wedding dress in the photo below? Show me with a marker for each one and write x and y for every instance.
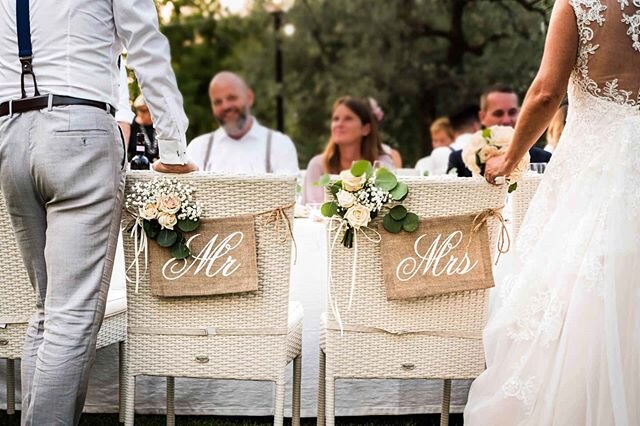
(562, 343)
(608, 63)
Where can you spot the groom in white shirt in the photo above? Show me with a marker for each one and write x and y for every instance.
(241, 144)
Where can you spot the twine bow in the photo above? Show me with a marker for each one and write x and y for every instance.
(504, 241)
(278, 215)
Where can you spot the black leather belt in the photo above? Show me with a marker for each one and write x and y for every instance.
(45, 101)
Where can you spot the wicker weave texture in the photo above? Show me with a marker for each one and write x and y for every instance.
(463, 311)
(224, 197)
(221, 357)
(14, 335)
(382, 355)
(521, 198)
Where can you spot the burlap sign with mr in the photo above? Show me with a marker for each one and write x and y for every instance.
(223, 261)
(444, 255)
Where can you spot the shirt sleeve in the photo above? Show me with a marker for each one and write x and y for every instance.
(285, 157)
(124, 113)
(148, 54)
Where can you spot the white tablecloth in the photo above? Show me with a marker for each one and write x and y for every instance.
(228, 397)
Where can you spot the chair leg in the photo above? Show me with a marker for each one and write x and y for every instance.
(330, 383)
(130, 398)
(171, 409)
(11, 386)
(295, 403)
(121, 382)
(278, 415)
(446, 400)
(321, 389)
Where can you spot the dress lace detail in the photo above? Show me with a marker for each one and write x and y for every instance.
(588, 13)
(634, 23)
(522, 388)
(542, 319)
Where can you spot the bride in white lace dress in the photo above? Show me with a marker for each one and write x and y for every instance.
(563, 339)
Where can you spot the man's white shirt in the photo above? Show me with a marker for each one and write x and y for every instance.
(83, 62)
(247, 155)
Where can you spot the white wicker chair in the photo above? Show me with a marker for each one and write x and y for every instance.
(521, 198)
(257, 333)
(374, 353)
(17, 304)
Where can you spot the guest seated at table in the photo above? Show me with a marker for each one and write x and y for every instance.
(499, 105)
(241, 144)
(441, 139)
(354, 136)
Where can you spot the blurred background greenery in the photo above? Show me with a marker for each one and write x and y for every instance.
(419, 58)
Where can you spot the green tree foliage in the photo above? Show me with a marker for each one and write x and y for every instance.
(419, 58)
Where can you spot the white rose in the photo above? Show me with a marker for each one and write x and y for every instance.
(350, 182)
(476, 143)
(487, 152)
(345, 199)
(169, 203)
(149, 211)
(501, 135)
(167, 220)
(357, 216)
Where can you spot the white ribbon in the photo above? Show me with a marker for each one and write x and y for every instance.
(375, 239)
(140, 244)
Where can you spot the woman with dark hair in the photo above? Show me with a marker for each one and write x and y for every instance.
(354, 136)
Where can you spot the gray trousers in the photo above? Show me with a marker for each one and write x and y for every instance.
(61, 173)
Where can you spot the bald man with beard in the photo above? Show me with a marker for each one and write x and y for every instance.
(240, 144)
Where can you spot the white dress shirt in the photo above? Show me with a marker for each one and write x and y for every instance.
(124, 113)
(246, 155)
(76, 45)
(436, 163)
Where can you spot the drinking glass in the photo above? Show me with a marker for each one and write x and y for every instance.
(538, 167)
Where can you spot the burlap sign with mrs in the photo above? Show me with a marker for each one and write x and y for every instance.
(444, 255)
(223, 261)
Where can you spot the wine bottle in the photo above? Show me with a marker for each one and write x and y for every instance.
(140, 160)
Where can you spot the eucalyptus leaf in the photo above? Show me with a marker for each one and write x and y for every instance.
(411, 222)
(151, 228)
(512, 187)
(180, 250)
(167, 238)
(187, 225)
(400, 191)
(360, 167)
(329, 209)
(324, 180)
(385, 179)
(391, 225)
(336, 187)
(486, 133)
(398, 213)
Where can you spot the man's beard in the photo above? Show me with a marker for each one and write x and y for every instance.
(236, 126)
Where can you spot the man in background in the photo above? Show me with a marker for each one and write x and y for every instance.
(499, 105)
(241, 144)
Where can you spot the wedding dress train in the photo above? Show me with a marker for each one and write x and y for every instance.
(563, 339)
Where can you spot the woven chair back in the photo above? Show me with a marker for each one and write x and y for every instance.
(454, 312)
(521, 198)
(224, 196)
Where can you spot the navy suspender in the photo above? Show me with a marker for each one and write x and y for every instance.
(24, 44)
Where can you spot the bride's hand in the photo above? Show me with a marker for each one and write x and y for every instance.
(496, 166)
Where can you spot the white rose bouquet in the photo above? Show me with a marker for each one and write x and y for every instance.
(488, 143)
(361, 194)
(164, 208)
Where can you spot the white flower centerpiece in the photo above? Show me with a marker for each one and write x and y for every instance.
(487, 143)
(164, 209)
(362, 194)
